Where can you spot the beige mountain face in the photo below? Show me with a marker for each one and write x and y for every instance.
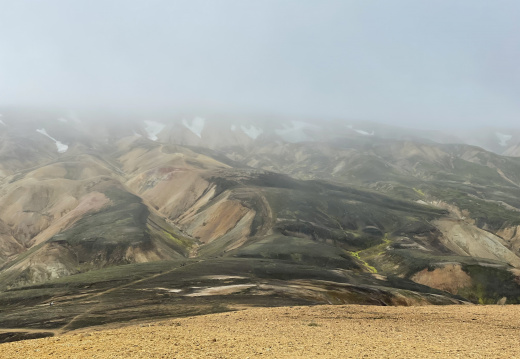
(286, 212)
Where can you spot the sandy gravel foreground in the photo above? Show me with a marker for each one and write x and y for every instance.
(300, 332)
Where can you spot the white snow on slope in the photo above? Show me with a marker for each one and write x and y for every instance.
(2, 122)
(295, 132)
(60, 146)
(196, 126)
(503, 138)
(252, 131)
(364, 133)
(361, 132)
(233, 128)
(63, 119)
(153, 128)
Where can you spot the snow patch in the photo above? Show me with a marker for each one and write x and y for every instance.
(222, 277)
(169, 290)
(196, 126)
(59, 145)
(43, 132)
(3, 123)
(295, 132)
(502, 138)
(153, 129)
(364, 133)
(252, 131)
(63, 119)
(361, 132)
(220, 290)
(233, 128)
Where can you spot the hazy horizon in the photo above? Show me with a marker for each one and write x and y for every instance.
(431, 64)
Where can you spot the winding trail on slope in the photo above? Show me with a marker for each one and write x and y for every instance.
(82, 315)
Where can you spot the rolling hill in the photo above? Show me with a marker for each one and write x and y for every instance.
(114, 218)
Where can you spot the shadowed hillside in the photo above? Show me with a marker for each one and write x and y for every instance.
(120, 220)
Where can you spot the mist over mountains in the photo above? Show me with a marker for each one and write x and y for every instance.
(225, 129)
(435, 65)
(189, 214)
(175, 158)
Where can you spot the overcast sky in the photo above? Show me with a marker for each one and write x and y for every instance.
(421, 63)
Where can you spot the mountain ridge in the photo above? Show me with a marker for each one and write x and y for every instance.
(351, 218)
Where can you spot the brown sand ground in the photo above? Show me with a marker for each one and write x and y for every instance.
(349, 331)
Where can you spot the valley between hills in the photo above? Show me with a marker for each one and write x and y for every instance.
(106, 220)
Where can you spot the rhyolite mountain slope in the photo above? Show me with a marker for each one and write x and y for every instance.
(245, 211)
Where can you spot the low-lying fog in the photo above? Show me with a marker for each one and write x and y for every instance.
(426, 64)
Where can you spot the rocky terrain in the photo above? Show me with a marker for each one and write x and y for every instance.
(299, 332)
(115, 218)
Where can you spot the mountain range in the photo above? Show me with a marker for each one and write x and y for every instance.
(120, 217)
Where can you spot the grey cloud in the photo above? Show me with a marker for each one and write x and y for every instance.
(416, 63)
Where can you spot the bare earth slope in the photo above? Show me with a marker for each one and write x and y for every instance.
(118, 219)
(299, 332)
